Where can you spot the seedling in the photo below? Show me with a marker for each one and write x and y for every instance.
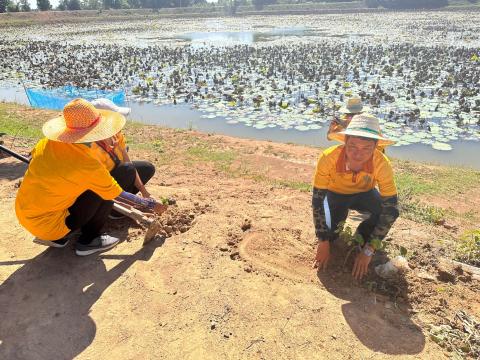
(355, 241)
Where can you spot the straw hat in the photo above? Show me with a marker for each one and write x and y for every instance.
(106, 104)
(366, 126)
(81, 122)
(353, 106)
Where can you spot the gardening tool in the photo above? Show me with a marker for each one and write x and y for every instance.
(121, 206)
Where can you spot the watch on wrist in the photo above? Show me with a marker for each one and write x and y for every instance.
(368, 250)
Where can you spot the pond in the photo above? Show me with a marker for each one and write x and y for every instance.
(279, 78)
(464, 153)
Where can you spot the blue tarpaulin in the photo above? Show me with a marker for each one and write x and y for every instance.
(56, 99)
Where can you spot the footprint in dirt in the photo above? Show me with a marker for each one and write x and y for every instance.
(282, 251)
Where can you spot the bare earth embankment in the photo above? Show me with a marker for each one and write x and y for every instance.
(235, 279)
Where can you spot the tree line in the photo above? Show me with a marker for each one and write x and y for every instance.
(45, 5)
(410, 4)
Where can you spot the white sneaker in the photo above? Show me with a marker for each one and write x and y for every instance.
(99, 244)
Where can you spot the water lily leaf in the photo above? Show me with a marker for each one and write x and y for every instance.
(441, 146)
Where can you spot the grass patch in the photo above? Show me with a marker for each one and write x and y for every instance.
(468, 247)
(430, 180)
(295, 185)
(413, 209)
(15, 124)
(222, 159)
(290, 184)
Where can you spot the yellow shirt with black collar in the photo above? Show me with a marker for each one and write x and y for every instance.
(333, 174)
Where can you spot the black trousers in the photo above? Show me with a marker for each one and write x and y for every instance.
(88, 213)
(125, 174)
(336, 208)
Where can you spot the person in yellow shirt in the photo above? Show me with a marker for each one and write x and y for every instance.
(347, 177)
(352, 107)
(112, 153)
(66, 188)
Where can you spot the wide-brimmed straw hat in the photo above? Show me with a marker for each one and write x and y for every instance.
(353, 106)
(81, 122)
(365, 126)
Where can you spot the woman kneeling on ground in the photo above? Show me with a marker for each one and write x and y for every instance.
(112, 153)
(66, 188)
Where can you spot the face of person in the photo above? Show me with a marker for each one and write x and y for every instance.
(358, 151)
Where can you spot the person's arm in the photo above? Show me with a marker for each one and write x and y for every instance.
(321, 228)
(322, 231)
(388, 215)
(389, 200)
(138, 182)
(145, 202)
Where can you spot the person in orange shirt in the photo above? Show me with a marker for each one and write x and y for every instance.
(66, 188)
(347, 177)
(112, 152)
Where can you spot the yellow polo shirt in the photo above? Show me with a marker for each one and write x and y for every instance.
(332, 174)
(57, 175)
(104, 157)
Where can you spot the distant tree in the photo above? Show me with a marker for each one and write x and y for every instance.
(62, 5)
(371, 3)
(3, 6)
(473, 1)
(24, 5)
(73, 5)
(108, 4)
(13, 7)
(181, 3)
(158, 4)
(44, 5)
(413, 4)
(259, 4)
(134, 4)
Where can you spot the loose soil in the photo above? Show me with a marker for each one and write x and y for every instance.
(230, 276)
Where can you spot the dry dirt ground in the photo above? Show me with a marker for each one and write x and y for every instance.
(234, 281)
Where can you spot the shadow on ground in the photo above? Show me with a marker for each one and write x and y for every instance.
(378, 323)
(12, 169)
(45, 304)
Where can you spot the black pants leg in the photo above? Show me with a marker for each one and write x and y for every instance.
(371, 202)
(336, 211)
(88, 213)
(125, 174)
(336, 207)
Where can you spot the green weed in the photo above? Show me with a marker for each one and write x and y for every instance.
(468, 247)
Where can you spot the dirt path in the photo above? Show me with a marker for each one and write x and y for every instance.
(237, 284)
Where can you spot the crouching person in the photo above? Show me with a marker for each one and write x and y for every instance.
(65, 187)
(112, 152)
(347, 177)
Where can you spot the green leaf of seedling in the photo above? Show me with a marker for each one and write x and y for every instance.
(359, 240)
(403, 251)
(376, 244)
